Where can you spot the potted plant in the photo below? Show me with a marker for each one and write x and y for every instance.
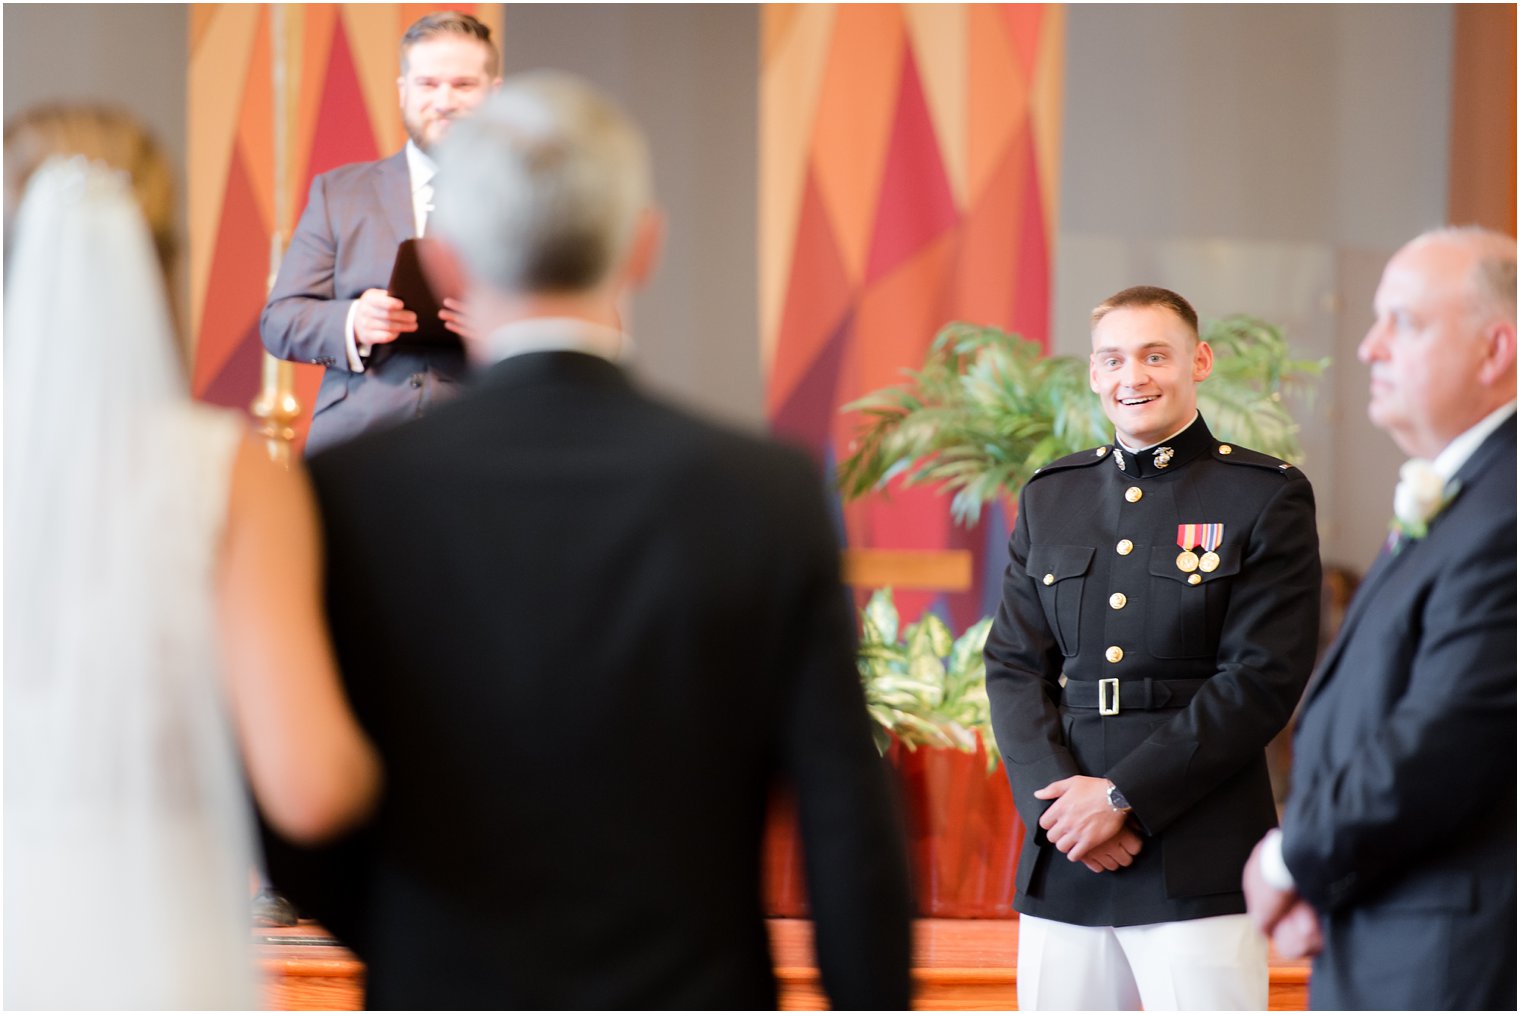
(926, 690)
(986, 410)
(926, 694)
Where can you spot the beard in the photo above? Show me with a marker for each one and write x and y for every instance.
(416, 129)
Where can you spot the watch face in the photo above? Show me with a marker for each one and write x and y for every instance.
(1116, 798)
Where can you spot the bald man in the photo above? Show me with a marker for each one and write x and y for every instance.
(1395, 864)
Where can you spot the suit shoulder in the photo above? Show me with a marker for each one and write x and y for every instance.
(1234, 454)
(347, 174)
(1081, 459)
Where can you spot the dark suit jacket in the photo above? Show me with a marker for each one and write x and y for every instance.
(344, 244)
(1093, 568)
(589, 634)
(1400, 828)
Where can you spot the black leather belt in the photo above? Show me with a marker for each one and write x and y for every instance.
(1111, 696)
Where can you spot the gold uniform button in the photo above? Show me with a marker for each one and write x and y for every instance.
(1050, 579)
(1114, 653)
(1117, 601)
(1194, 579)
(1125, 547)
(1225, 449)
(1101, 451)
(1133, 494)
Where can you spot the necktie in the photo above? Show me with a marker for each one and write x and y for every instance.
(429, 195)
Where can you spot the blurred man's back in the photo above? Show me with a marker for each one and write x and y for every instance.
(595, 633)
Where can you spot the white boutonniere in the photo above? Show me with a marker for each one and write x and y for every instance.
(1421, 494)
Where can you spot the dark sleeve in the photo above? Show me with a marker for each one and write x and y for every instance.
(1023, 670)
(303, 321)
(1442, 763)
(1266, 653)
(852, 833)
(328, 882)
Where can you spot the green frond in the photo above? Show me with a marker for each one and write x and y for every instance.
(987, 408)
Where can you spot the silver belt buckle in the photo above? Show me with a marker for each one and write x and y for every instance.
(1108, 705)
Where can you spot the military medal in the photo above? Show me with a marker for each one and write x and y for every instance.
(1187, 538)
(1212, 535)
(1191, 536)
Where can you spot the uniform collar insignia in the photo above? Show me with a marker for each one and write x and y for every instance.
(1191, 443)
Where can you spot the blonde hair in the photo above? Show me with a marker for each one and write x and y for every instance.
(104, 134)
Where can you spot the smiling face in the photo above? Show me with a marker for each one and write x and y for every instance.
(1145, 368)
(442, 77)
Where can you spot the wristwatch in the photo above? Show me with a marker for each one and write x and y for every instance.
(1116, 800)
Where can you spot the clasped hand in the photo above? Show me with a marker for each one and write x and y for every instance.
(1285, 917)
(1082, 825)
(383, 318)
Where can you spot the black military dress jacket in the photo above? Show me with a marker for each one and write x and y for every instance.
(1159, 621)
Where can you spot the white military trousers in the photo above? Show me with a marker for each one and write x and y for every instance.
(1218, 963)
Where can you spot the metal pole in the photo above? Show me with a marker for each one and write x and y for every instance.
(276, 407)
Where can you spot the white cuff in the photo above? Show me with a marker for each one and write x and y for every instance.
(1273, 869)
(357, 350)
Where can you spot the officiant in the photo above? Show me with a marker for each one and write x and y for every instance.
(331, 305)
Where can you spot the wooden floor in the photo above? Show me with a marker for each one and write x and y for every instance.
(958, 964)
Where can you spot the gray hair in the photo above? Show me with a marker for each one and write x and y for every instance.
(1493, 280)
(543, 185)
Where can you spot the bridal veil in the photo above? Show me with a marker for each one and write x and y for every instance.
(128, 837)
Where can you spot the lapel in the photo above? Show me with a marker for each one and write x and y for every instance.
(393, 192)
(1502, 440)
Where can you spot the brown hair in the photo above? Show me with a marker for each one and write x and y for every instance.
(104, 134)
(1148, 295)
(438, 23)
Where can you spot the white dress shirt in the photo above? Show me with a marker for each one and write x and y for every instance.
(421, 168)
(556, 334)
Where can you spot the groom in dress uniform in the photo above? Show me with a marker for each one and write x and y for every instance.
(596, 635)
(1396, 861)
(329, 305)
(1157, 627)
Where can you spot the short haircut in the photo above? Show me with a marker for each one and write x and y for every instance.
(430, 26)
(544, 185)
(1148, 295)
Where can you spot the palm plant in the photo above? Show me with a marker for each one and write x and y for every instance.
(923, 685)
(988, 408)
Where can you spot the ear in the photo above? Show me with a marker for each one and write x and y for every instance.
(1203, 361)
(401, 91)
(644, 251)
(1498, 362)
(1092, 373)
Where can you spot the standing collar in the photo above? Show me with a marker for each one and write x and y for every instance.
(1193, 441)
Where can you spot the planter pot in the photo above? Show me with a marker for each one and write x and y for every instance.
(783, 891)
(963, 838)
(963, 832)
